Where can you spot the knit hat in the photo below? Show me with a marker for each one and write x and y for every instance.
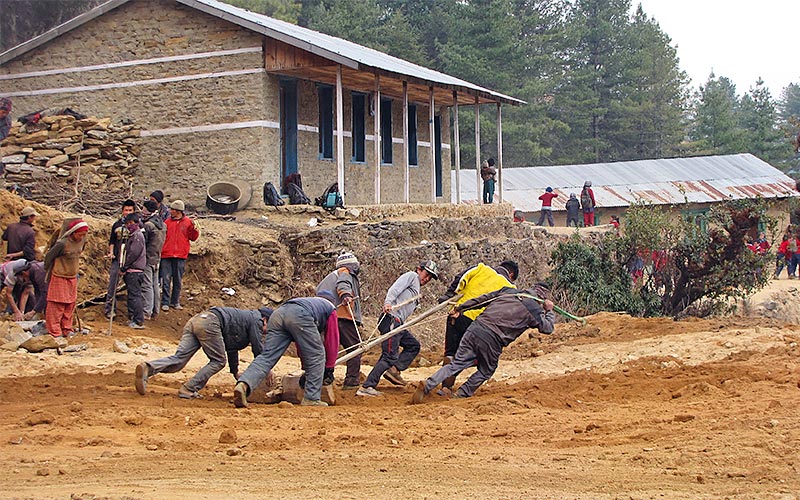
(5, 104)
(151, 206)
(572, 195)
(158, 195)
(549, 189)
(587, 184)
(178, 205)
(346, 258)
(266, 312)
(76, 226)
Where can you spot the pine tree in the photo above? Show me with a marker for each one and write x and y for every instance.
(716, 125)
(759, 119)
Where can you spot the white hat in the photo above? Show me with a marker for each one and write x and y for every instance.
(28, 211)
(178, 205)
(346, 258)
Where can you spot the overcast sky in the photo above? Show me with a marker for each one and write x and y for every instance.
(739, 40)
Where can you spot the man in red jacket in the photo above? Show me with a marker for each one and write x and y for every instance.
(180, 231)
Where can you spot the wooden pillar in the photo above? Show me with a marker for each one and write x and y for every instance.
(406, 176)
(457, 145)
(432, 133)
(376, 116)
(340, 133)
(499, 154)
(478, 150)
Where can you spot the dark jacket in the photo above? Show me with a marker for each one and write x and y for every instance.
(38, 277)
(135, 257)
(118, 235)
(573, 208)
(240, 328)
(21, 237)
(154, 234)
(509, 313)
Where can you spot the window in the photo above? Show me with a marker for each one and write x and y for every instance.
(359, 127)
(325, 121)
(412, 135)
(698, 217)
(386, 131)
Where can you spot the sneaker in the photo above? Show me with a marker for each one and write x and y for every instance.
(136, 326)
(445, 392)
(177, 307)
(165, 307)
(240, 395)
(419, 394)
(347, 387)
(185, 393)
(142, 374)
(393, 376)
(368, 391)
(312, 402)
(458, 395)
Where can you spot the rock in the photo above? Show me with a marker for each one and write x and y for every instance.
(228, 436)
(133, 419)
(14, 159)
(33, 138)
(234, 452)
(14, 336)
(40, 417)
(76, 407)
(119, 346)
(72, 149)
(46, 154)
(76, 347)
(424, 362)
(42, 342)
(152, 447)
(43, 472)
(353, 212)
(57, 160)
(683, 418)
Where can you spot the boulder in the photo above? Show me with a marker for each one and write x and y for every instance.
(13, 335)
(43, 342)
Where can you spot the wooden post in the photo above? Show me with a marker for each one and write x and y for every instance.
(457, 145)
(478, 149)
(499, 154)
(432, 133)
(376, 117)
(406, 173)
(340, 133)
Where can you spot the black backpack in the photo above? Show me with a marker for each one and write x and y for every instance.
(331, 198)
(271, 196)
(296, 195)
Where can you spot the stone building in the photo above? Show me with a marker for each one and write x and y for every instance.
(221, 93)
(688, 187)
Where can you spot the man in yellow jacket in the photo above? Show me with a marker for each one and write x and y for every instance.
(473, 282)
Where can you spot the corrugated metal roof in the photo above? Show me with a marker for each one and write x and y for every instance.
(336, 49)
(703, 179)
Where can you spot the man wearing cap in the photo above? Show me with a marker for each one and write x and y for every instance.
(132, 270)
(471, 283)
(61, 263)
(163, 210)
(154, 233)
(181, 230)
(508, 313)
(344, 286)
(21, 237)
(547, 207)
(219, 331)
(5, 117)
(401, 300)
(309, 322)
(15, 273)
(118, 237)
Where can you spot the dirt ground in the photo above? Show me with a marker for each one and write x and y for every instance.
(620, 408)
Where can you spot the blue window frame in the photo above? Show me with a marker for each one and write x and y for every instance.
(325, 121)
(359, 127)
(386, 131)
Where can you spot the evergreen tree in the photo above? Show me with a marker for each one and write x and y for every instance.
(716, 126)
(285, 10)
(759, 119)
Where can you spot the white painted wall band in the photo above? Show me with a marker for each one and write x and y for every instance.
(126, 64)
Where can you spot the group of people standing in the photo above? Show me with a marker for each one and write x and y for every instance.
(574, 207)
(489, 314)
(148, 249)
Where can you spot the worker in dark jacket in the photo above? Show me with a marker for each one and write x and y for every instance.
(154, 234)
(21, 237)
(218, 331)
(507, 315)
(573, 209)
(38, 277)
(132, 270)
(312, 324)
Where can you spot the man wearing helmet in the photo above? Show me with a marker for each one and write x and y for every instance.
(401, 300)
(343, 284)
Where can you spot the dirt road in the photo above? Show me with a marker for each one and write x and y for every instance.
(622, 408)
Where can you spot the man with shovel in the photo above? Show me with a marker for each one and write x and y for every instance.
(401, 300)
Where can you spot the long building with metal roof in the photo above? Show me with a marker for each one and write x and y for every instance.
(702, 179)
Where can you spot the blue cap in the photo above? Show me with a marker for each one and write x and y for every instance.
(549, 189)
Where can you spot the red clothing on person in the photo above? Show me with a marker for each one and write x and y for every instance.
(547, 199)
(179, 233)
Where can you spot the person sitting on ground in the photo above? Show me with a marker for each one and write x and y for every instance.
(573, 207)
(472, 283)
(547, 207)
(401, 301)
(21, 236)
(218, 331)
(132, 270)
(62, 263)
(312, 324)
(14, 273)
(508, 313)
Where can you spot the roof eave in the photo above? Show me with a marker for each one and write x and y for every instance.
(59, 30)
